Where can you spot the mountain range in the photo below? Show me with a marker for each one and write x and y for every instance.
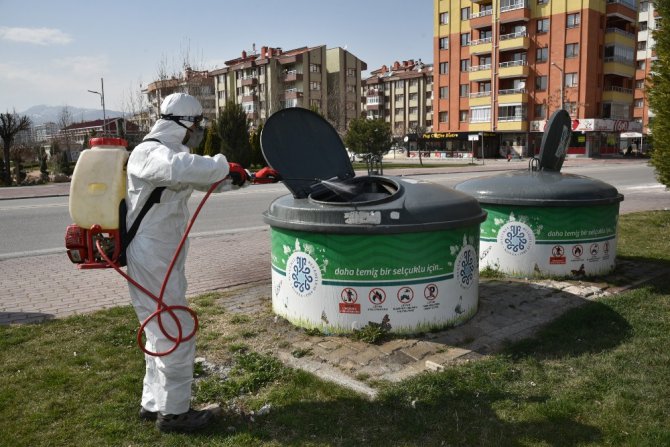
(43, 114)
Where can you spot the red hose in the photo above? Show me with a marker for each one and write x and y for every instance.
(160, 306)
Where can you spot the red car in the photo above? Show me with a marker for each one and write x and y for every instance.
(266, 175)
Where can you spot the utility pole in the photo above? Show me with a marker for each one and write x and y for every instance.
(102, 100)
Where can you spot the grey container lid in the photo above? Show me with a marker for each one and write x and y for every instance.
(540, 188)
(409, 206)
(304, 148)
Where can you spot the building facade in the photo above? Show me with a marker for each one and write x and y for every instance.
(196, 83)
(504, 66)
(646, 55)
(325, 80)
(401, 95)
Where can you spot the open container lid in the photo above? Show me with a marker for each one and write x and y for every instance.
(304, 148)
(555, 141)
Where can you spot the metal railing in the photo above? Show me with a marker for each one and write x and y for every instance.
(485, 13)
(512, 91)
(517, 63)
(480, 67)
(514, 35)
(481, 41)
(616, 88)
(620, 31)
(479, 94)
(511, 118)
(513, 6)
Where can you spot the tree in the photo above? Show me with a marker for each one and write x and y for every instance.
(257, 158)
(659, 99)
(10, 125)
(232, 127)
(368, 136)
(212, 142)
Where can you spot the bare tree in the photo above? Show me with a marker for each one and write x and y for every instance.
(10, 125)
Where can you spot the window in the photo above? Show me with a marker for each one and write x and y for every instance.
(571, 79)
(350, 88)
(444, 117)
(463, 116)
(485, 60)
(465, 13)
(485, 34)
(316, 103)
(571, 107)
(444, 92)
(444, 43)
(480, 114)
(642, 45)
(542, 26)
(444, 67)
(465, 39)
(485, 86)
(315, 68)
(444, 18)
(413, 110)
(351, 72)
(542, 2)
(573, 20)
(464, 90)
(542, 54)
(643, 26)
(399, 85)
(540, 111)
(540, 83)
(639, 83)
(465, 64)
(640, 65)
(314, 85)
(571, 50)
(639, 103)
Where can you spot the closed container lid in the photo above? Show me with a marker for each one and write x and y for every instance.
(540, 188)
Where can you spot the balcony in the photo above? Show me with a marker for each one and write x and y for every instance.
(479, 99)
(481, 46)
(292, 93)
(479, 73)
(616, 36)
(250, 97)
(625, 9)
(249, 81)
(617, 94)
(619, 66)
(514, 41)
(481, 19)
(514, 12)
(512, 96)
(292, 75)
(514, 123)
(513, 69)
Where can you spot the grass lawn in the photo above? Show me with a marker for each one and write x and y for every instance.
(599, 375)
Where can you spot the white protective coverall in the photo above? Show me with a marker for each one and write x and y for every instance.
(167, 382)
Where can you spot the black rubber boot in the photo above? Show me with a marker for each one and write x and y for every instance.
(147, 415)
(190, 421)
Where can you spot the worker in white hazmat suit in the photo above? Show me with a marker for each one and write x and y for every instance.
(168, 163)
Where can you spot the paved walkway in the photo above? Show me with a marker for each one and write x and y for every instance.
(40, 288)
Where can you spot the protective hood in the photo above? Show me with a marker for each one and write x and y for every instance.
(170, 134)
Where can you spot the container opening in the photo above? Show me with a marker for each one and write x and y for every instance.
(354, 190)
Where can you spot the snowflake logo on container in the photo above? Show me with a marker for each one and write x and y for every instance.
(303, 273)
(466, 267)
(516, 238)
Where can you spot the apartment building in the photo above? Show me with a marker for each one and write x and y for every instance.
(401, 95)
(325, 80)
(504, 66)
(646, 55)
(196, 83)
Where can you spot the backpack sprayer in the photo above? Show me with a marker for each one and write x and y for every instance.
(98, 237)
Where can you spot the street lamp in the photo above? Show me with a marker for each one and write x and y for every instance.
(102, 101)
(562, 82)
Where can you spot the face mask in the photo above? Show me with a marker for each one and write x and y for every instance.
(194, 137)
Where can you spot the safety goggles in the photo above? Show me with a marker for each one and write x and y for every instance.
(199, 121)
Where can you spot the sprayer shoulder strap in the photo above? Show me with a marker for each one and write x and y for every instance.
(154, 197)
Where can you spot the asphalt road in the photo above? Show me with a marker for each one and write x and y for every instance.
(36, 226)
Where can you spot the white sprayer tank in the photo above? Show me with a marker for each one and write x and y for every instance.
(99, 184)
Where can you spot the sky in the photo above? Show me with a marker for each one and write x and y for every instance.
(52, 52)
